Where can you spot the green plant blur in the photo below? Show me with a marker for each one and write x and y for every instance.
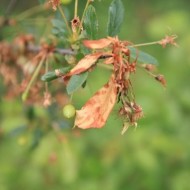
(155, 155)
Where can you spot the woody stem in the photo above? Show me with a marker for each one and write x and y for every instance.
(46, 70)
(64, 18)
(76, 8)
(150, 43)
(25, 94)
(144, 44)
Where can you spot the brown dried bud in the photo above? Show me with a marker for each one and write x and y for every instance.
(168, 40)
(149, 67)
(22, 42)
(53, 157)
(132, 67)
(54, 4)
(137, 112)
(161, 79)
(126, 51)
(12, 22)
(47, 99)
(76, 24)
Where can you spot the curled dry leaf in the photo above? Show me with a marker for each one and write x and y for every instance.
(97, 44)
(109, 61)
(96, 111)
(168, 40)
(84, 64)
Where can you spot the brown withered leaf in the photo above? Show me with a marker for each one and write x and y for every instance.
(84, 64)
(97, 44)
(96, 111)
(108, 61)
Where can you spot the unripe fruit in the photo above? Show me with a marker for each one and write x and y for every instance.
(22, 140)
(69, 111)
(65, 1)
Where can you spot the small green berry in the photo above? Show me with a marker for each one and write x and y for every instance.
(65, 1)
(22, 140)
(69, 111)
(24, 96)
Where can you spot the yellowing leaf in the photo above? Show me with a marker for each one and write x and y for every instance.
(84, 64)
(96, 111)
(97, 44)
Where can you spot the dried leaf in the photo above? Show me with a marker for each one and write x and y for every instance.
(125, 128)
(96, 111)
(97, 44)
(109, 60)
(84, 64)
(168, 40)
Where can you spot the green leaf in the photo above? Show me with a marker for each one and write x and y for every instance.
(49, 76)
(91, 22)
(37, 136)
(18, 131)
(116, 16)
(58, 27)
(57, 23)
(66, 11)
(142, 56)
(76, 82)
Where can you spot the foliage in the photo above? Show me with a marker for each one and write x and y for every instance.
(116, 15)
(82, 56)
(38, 147)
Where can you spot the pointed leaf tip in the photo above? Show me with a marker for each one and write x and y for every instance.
(97, 44)
(84, 64)
(116, 16)
(91, 22)
(76, 82)
(142, 56)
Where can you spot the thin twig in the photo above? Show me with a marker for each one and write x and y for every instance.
(36, 72)
(10, 6)
(46, 70)
(76, 8)
(144, 44)
(64, 18)
(36, 49)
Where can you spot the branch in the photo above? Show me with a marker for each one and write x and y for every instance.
(36, 49)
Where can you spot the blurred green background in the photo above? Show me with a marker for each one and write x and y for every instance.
(156, 155)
